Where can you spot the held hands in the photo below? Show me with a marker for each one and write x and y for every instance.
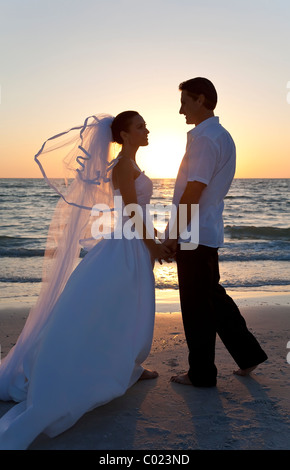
(171, 243)
(164, 251)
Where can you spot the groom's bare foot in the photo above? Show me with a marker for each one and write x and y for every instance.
(181, 379)
(148, 374)
(244, 372)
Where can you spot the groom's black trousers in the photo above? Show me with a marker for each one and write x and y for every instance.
(207, 310)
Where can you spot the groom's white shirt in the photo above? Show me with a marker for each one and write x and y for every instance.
(210, 158)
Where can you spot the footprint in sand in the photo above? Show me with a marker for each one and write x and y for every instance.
(173, 362)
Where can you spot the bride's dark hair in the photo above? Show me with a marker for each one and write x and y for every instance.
(121, 123)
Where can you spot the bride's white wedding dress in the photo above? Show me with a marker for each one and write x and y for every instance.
(91, 349)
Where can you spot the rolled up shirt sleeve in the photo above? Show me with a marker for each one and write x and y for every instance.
(202, 159)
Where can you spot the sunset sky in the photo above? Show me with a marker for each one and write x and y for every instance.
(63, 60)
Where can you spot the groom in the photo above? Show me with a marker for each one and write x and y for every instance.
(204, 178)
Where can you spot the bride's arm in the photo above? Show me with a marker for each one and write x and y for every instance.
(124, 174)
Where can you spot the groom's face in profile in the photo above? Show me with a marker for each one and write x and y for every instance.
(190, 107)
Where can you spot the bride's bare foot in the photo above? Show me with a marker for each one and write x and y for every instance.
(148, 374)
(244, 372)
(181, 379)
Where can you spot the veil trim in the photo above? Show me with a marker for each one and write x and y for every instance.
(87, 157)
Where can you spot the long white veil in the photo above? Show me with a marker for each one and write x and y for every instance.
(87, 163)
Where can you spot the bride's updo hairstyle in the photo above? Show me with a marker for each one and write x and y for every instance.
(121, 123)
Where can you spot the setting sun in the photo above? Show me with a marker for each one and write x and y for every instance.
(163, 155)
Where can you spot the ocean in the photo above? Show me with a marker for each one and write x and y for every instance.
(255, 255)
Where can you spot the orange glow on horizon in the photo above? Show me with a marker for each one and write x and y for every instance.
(161, 158)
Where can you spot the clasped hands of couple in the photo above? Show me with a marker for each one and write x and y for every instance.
(164, 250)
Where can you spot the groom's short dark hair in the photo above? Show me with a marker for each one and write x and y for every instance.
(201, 86)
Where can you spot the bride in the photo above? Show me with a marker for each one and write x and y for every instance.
(91, 329)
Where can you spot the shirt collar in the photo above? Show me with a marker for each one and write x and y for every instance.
(200, 127)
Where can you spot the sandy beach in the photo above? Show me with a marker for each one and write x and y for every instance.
(241, 413)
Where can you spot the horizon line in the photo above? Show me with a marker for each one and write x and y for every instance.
(153, 178)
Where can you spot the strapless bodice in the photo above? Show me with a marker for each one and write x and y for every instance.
(144, 189)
